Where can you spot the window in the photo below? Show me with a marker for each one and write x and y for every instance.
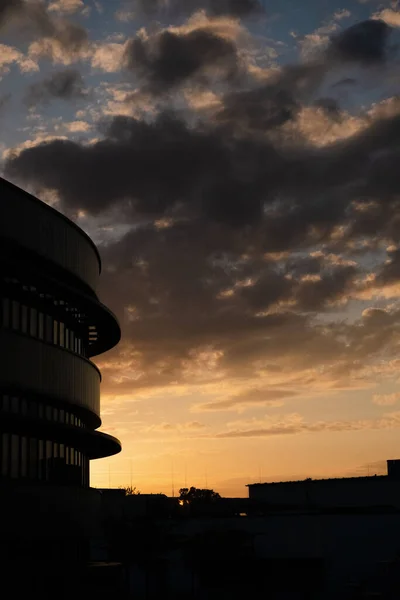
(41, 455)
(15, 404)
(49, 329)
(32, 408)
(55, 332)
(14, 456)
(67, 338)
(33, 458)
(40, 326)
(24, 319)
(15, 308)
(48, 450)
(49, 413)
(61, 335)
(6, 312)
(24, 407)
(5, 453)
(33, 322)
(24, 457)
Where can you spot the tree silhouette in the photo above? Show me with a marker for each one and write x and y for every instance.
(131, 491)
(195, 495)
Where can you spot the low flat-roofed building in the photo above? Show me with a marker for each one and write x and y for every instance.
(347, 492)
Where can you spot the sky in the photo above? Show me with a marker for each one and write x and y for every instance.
(236, 161)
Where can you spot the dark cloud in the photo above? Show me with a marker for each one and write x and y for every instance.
(65, 85)
(211, 172)
(8, 8)
(31, 17)
(235, 8)
(390, 272)
(332, 285)
(167, 60)
(262, 108)
(270, 106)
(157, 166)
(313, 291)
(344, 82)
(190, 288)
(270, 288)
(187, 290)
(364, 42)
(154, 164)
(330, 106)
(194, 282)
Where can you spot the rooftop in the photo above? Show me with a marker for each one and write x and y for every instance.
(333, 479)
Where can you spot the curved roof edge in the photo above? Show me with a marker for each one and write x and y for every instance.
(55, 212)
(106, 445)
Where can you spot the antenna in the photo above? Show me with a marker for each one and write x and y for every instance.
(131, 471)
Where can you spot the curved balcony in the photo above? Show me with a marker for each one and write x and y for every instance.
(49, 278)
(94, 444)
(48, 233)
(30, 364)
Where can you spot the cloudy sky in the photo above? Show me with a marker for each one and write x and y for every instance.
(237, 162)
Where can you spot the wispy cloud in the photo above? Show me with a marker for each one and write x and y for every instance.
(66, 6)
(77, 126)
(390, 16)
(294, 425)
(247, 398)
(175, 427)
(10, 55)
(386, 399)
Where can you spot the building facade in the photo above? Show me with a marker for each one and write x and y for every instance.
(51, 324)
(344, 493)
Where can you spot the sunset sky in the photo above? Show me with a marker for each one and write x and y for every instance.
(238, 164)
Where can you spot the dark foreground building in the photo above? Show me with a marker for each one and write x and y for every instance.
(51, 324)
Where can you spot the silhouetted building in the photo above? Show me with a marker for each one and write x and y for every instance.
(340, 493)
(51, 324)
